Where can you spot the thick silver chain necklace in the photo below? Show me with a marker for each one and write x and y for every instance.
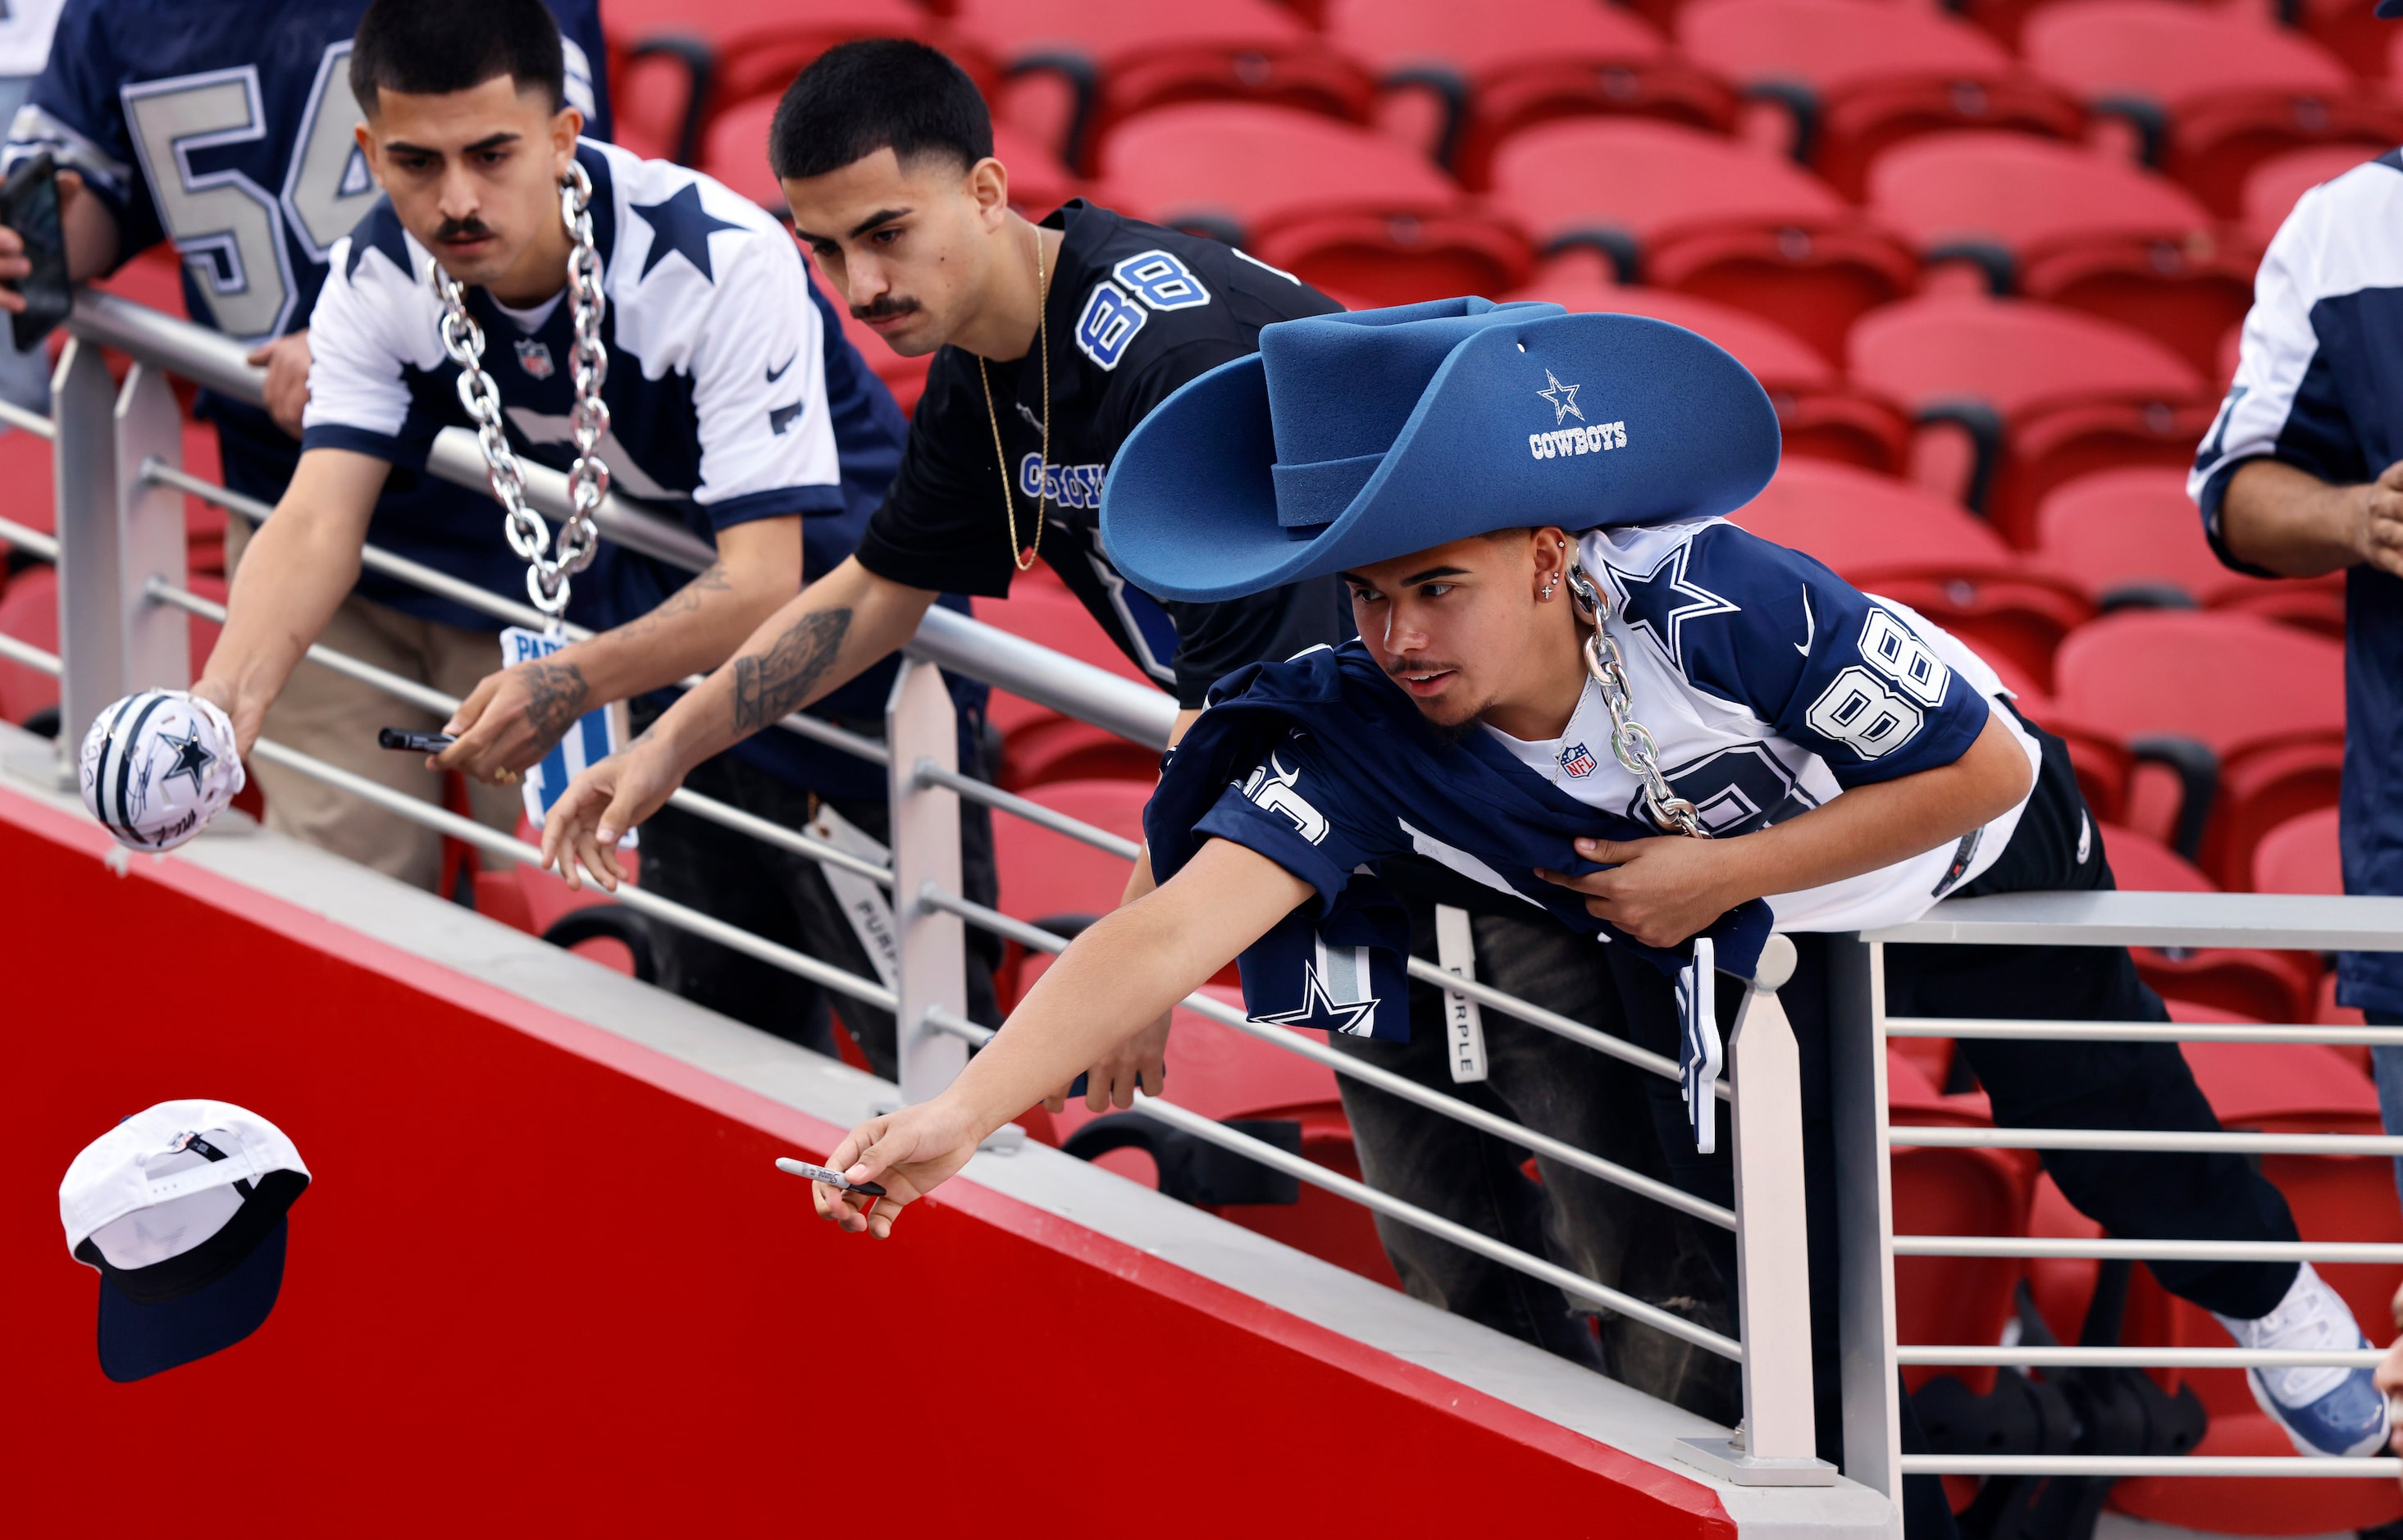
(588, 364)
(1631, 742)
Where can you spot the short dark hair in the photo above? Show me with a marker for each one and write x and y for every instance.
(431, 48)
(879, 93)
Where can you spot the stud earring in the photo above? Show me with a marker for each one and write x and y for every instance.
(1549, 584)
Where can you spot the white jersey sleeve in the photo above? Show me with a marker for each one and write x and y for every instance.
(759, 391)
(374, 351)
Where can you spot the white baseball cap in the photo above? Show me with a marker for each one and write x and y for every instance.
(181, 1207)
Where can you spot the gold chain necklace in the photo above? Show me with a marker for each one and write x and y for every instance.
(1025, 559)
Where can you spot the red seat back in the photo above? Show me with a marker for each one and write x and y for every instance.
(2300, 855)
(2121, 530)
(2015, 354)
(2229, 681)
(2273, 185)
(1861, 524)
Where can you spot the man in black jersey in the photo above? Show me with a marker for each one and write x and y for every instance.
(1063, 336)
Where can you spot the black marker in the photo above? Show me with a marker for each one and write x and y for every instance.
(413, 743)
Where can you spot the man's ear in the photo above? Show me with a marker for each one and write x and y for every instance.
(565, 126)
(1552, 551)
(368, 151)
(988, 184)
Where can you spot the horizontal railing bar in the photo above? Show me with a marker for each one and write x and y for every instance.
(2386, 1466)
(931, 774)
(1553, 1021)
(31, 422)
(434, 700)
(32, 541)
(2149, 1251)
(634, 898)
(2150, 1140)
(2277, 921)
(2138, 1356)
(1383, 1080)
(1065, 684)
(30, 656)
(471, 597)
(1410, 1213)
(2138, 1031)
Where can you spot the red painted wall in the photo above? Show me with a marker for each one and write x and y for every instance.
(548, 1281)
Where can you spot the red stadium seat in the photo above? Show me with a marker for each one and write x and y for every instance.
(2235, 983)
(26, 471)
(2043, 393)
(1119, 60)
(1038, 745)
(1822, 417)
(2272, 185)
(2072, 225)
(1894, 539)
(2300, 855)
(1344, 207)
(2216, 91)
(1553, 59)
(1859, 75)
(1708, 217)
(2268, 700)
(2132, 538)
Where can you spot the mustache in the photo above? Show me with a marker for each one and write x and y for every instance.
(886, 306)
(1416, 666)
(464, 229)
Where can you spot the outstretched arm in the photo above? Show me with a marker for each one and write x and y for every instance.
(512, 719)
(293, 575)
(822, 639)
(1663, 890)
(1128, 969)
(2285, 519)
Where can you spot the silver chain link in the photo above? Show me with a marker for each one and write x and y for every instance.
(588, 363)
(1631, 742)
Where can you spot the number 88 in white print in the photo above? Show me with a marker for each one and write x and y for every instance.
(1864, 710)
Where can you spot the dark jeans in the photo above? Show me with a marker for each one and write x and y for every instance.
(2031, 1085)
(1575, 1094)
(783, 897)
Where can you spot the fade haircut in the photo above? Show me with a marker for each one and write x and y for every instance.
(880, 94)
(431, 48)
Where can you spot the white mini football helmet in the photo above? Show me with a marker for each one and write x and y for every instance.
(157, 766)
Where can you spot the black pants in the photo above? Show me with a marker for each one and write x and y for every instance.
(783, 897)
(1589, 1225)
(2030, 1084)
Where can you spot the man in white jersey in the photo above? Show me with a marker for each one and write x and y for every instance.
(1853, 763)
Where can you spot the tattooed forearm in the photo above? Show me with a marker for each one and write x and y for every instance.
(707, 583)
(767, 688)
(555, 693)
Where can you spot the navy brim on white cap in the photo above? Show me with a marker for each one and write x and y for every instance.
(181, 1209)
(1353, 438)
(138, 1340)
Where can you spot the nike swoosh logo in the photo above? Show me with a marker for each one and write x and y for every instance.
(1809, 626)
(778, 373)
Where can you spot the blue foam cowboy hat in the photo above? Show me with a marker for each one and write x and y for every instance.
(1354, 438)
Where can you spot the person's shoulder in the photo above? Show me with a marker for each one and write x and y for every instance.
(1141, 293)
(378, 258)
(665, 211)
(2337, 238)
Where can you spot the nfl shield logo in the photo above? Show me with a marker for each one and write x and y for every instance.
(1577, 761)
(533, 357)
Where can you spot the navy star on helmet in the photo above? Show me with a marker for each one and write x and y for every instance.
(1354, 438)
(156, 766)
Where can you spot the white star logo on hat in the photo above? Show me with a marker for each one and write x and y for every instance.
(1564, 399)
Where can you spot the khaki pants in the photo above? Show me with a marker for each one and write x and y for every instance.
(334, 718)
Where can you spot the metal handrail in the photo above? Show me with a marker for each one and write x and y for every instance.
(1213, 1132)
(2139, 1356)
(2149, 1251)
(2270, 921)
(2384, 1465)
(2139, 1032)
(1939, 1137)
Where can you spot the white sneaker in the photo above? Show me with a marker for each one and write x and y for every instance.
(2326, 1409)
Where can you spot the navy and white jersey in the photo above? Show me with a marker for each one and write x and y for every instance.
(227, 130)
(1771, 686)
(724, 368)
(1135, 312)
(2316, 386)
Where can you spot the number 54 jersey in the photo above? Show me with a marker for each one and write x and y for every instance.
(225, 129)
(1771, 686)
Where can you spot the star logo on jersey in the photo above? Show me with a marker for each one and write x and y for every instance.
(191, 758)
(534, 356)
(680, 227)
(1659, 602)
(1321, 1012)
(1562, 397)
(1576, 762)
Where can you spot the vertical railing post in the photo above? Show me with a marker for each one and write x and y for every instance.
(1779, 1446)
(1864, 1213)
(919, 727)
(92, 566)
(150, 541)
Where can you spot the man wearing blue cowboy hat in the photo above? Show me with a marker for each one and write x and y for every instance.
(1567, 652)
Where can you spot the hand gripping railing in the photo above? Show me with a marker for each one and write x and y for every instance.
(119, 490)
